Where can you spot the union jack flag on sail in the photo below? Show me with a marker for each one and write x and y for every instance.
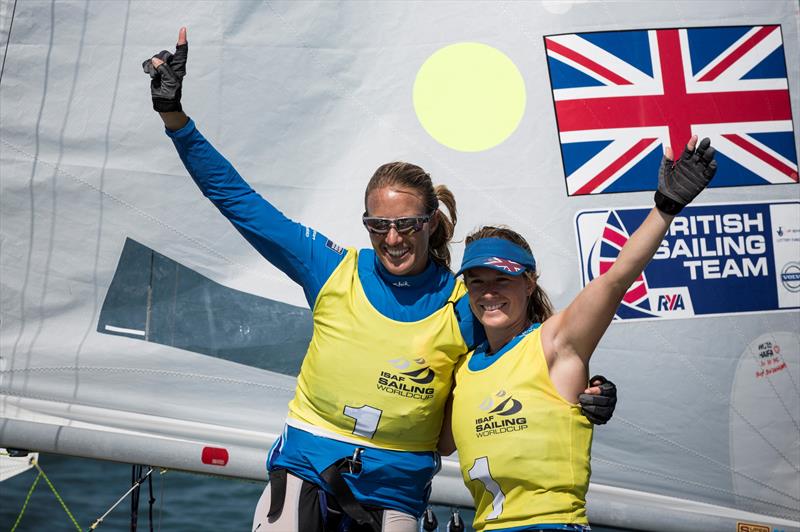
(620, 97)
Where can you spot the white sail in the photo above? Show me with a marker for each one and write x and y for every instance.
(138, 326)
(12, 464)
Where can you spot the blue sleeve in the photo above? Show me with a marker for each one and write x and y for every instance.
(471, 329)
(306, 256)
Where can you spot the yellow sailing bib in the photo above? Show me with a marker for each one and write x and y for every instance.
(372, 379)
(524, 450)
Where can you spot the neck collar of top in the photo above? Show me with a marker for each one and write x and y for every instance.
(498, 254)
(406, 281)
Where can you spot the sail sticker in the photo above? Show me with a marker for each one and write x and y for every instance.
(764, 416)
(156, 299)
(620, 97)
(770, 361)
(217, 456)
(469, 96)
(711, 257)
(751, 527)
(123, 330)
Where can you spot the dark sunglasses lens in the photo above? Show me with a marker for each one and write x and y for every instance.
(401, 225)
(404, 225)
(377, 225)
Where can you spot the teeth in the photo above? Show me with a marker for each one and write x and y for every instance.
(396, 252)
(492, 307)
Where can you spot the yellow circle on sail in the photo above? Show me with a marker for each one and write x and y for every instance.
(469, 96)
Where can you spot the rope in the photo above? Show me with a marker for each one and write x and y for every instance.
(8, 41)
(136, 472)
(151, 501)
(100, 519)
(25, 504)
(41, 475)
(163, 496)
(55, 492)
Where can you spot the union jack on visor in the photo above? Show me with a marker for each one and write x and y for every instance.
(498, 254)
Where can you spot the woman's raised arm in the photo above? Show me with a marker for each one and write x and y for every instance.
(305, 256)
(576, 331)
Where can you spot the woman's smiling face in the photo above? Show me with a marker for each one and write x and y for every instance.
(400, 253)
(500, 302)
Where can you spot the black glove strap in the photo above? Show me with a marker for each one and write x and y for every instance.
(163, 105)
(667, 205)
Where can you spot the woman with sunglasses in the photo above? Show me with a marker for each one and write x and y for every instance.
(390, 323)
(523, 445)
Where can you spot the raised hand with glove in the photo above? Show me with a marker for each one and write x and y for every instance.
(166, 71)
(679, 182)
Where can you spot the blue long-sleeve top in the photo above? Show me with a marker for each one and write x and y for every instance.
(309, 258)
(306, 256)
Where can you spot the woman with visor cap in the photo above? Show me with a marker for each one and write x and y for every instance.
(358, 451)
(523, 445)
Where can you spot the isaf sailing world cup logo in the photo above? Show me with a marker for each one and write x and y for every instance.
(500, 416)
(407, 378)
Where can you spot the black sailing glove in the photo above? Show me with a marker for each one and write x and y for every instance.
(167, 79)
(681, 181)
(599, 408)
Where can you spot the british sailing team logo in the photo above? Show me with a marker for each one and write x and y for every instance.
(636, 302)
(500, 415)
(407, 378)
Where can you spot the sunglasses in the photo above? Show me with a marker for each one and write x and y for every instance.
(381, 226)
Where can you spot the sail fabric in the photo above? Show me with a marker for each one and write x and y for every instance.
(14, 465)
(138, 326)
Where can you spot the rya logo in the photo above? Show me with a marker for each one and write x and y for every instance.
(671, 302)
